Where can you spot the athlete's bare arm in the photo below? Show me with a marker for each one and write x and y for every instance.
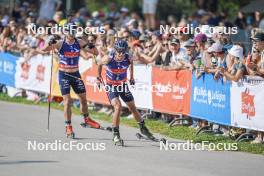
(49, 47)
(87, 53)
(149, 59)
(105, 60)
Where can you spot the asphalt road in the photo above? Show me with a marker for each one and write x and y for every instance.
(21, 124)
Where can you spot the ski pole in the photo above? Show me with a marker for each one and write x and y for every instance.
(49, 97)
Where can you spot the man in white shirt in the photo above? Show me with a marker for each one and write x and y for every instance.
(177, 55)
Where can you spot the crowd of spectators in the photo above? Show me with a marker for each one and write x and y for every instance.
(211, 53)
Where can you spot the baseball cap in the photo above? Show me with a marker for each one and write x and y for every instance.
(157, 33)
(236, 51)
(216, 47)
(124, 10)
(143, 37)
(200, 38)
(258, 37)
(135, 33)
(189, 43)
(174, 41)
(110, 32)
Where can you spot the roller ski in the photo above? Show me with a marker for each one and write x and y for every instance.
(117, 140)
(69, 132)
(146, 135)
(90, 123)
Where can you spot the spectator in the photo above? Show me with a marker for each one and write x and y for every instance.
(113, 14)
(124, 17)
(238, 69)
(200, 41)
(218, 59)
(176, 54)
(149, 11)
(240, 21)
(49, 6)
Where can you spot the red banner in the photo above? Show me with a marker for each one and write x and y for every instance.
(93, 93)
(171, 91)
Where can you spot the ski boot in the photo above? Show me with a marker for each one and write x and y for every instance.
(117, 140)
(69, 132)
(144, 130)
(88, 122)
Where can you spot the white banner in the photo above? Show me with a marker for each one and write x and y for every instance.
(35, 75)
(142, 94)
(247, 110)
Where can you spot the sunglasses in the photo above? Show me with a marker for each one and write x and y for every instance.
(149, 46)
(120, 51)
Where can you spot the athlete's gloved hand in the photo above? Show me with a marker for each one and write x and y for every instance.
(99, 81)
(52, 40)
(132, 82)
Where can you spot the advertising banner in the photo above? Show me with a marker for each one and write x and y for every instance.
(171, 91)
(8, 64)
(34, 75)
(247, 105)
(210, 99)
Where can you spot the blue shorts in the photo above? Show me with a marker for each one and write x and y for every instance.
(121, 91)
(66, 82)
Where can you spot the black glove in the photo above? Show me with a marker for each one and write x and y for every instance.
(132, 82)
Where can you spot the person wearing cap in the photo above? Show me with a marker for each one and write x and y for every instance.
(256, 67)
(218, 59)
(156, 37)
(124, 17)
(135, 34)
(176, 54)
(258, 41)
(190, 53)
(238, 69)
(200, 41)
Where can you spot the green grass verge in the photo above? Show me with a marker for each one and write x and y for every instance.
(157, 126)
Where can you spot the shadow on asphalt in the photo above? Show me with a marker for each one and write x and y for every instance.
(26, 162)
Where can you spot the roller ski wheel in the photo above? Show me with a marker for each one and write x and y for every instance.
(69, 132)
(117, 140)
(119, 143)
(151, 138)
(71, 136)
